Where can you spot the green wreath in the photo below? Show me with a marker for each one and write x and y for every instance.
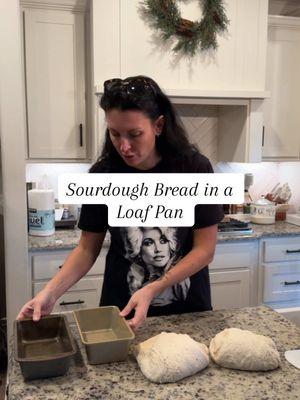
(164, 15)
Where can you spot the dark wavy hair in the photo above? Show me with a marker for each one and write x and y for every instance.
(172, 144)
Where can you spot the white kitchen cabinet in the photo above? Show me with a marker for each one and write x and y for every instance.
(233, 275)
(85, 293)
(280, 272)
(237, 66)
(230, 289)
(281, 111)
(54, 56)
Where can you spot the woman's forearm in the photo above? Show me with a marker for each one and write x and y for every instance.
(76, 265)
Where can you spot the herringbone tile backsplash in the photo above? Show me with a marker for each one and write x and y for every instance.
(201, 123)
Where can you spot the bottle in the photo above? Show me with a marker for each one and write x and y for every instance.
(247, 202)
(66, 212)
(41, 212)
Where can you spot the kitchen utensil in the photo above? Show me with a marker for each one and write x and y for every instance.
(293, 357)
(104, 333)
(43, 348)
(263, 211)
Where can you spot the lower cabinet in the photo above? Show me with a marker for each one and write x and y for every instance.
(233, 275)
(83, 294)
(230, 289)
(280, 272)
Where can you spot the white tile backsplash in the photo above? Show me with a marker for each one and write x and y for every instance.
(290, 172)
(35, 172)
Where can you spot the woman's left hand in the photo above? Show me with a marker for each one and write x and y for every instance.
(139, 302)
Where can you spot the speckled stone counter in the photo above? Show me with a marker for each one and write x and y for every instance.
(62, 239)
(124, 380)
(69, 238)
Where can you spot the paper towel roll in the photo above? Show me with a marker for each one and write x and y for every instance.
(41, 199)
(41, 212)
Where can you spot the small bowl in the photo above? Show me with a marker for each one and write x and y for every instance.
(104, 333)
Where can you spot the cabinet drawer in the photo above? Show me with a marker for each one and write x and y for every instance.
(230, 289)
(84, 294)
(235, 255)
(281, 249)
(45, 266)
(282, 282)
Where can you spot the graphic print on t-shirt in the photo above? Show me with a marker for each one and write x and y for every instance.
(153, 252)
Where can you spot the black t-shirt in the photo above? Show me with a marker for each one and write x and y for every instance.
(137, 256)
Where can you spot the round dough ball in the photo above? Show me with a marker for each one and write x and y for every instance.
(169, 357)
(241, 349)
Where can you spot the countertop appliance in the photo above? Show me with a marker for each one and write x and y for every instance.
(234, 226)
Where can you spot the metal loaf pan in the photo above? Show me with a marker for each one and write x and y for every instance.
(104, 333)
(44, 348)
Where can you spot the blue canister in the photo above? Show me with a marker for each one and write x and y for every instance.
(41, 213)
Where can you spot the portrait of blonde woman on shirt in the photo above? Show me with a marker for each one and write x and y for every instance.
(153, 252)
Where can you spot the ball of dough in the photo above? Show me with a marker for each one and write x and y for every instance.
(241, 349)
(169, 357)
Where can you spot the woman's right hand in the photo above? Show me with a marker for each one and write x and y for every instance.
(41, 304)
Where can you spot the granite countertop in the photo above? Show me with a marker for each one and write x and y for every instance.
(69, 238)
(62, 239)
(124, 380)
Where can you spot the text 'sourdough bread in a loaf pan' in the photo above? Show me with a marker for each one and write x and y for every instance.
(241, 349)
(169, 357)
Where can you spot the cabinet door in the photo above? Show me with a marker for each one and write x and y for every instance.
(281, 111)
(230, 289)
(55, 84)
(282, 282)
(128, 46)
(47, 264)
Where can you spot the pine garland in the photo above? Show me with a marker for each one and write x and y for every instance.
(164, 15)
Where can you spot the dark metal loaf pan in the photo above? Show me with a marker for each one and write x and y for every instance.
(44, 349)
(104, 333)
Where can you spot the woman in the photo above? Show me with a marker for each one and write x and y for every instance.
(143, 135)
(153, 252)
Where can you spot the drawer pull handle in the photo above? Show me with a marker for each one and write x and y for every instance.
(292, 283)
(80, 135)
(292, 251)
(67, 303)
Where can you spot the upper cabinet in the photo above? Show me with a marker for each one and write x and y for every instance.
(230, 79)
(281, 110)
(125, 45)
(54, 48)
